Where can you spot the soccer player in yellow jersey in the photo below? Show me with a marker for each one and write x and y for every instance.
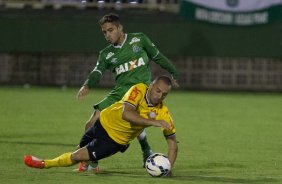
(141, 107)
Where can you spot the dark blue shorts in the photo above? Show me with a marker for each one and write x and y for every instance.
(99, 144)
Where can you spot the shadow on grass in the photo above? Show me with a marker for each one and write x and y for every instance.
(38, 143)
(186, 177)
(223, 179)
(217, 165)
(195, 178)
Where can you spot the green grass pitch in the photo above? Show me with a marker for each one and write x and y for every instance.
(223, 138)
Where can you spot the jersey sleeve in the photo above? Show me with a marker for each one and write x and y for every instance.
(164, 62)
(95, 76)
(135, 94)
(158, 57)
(150, 48)
(165, 115)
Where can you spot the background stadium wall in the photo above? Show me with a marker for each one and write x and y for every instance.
(76, 31)
(59, 47)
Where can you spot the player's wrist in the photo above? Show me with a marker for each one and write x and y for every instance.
(86, 87)
(150, 122)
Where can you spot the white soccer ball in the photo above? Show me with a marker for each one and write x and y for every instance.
(158, 165)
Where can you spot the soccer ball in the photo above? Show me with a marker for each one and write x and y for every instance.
(158, 165)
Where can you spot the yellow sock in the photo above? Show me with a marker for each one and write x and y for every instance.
(63, 160)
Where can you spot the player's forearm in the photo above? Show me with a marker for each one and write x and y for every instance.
(172, 150)
(165, 63)
(93, 79)
(133, 117)
(172, 154)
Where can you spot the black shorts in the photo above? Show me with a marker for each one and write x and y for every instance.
(99, 144)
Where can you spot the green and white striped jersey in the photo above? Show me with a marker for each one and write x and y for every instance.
(130, 61)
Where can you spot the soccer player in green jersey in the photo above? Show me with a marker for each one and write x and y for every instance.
(128, 57)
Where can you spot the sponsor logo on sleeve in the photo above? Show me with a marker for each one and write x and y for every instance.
(134, 93)
(134, 40)
(109, 55)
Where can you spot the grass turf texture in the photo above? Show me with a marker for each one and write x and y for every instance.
(223, 138)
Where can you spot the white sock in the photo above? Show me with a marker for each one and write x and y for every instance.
(142, 135)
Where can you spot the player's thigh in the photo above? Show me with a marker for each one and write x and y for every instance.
(107, 101)
(87, 137)
(98, 142)
(115, 95)
(101, 148)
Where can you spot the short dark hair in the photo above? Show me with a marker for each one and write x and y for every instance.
(111, 18)
(167, 80)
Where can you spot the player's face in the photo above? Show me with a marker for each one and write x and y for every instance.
(158, 91)
(113, 33)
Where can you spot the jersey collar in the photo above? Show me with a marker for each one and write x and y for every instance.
(120, 46)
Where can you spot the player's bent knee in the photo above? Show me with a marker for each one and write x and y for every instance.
(80, 155)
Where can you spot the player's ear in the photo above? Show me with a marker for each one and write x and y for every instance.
(151, 86)
(120, 27)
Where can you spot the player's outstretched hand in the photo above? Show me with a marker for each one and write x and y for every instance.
(84, 90)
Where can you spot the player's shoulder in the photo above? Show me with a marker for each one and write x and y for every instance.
(137, 90)
(135, 34)
(107, 52)
(136, 37)
(140, 87)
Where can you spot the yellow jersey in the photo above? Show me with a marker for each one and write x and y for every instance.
(122, 131)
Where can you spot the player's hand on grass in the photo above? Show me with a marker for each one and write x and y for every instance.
(169, 174)
(84, 90)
